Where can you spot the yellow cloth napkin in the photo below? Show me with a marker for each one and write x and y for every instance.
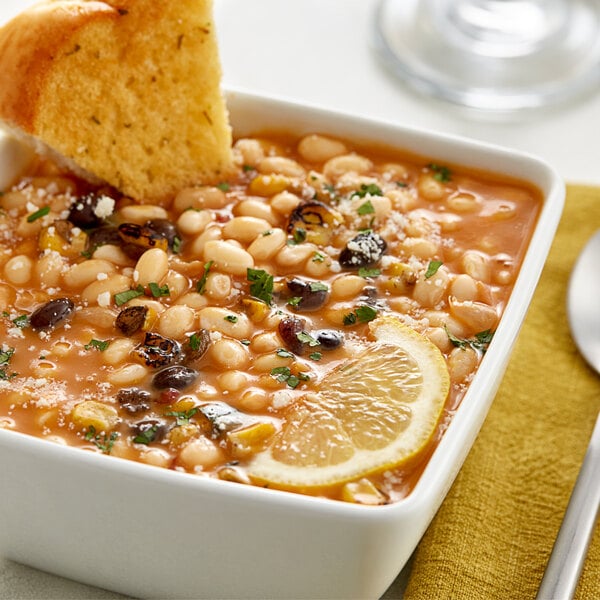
(492, 537)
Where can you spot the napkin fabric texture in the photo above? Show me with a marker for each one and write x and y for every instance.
(493, 535)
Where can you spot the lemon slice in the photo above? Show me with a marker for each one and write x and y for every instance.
(372, 413)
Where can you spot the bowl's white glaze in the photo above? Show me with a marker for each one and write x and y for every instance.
(154, 533)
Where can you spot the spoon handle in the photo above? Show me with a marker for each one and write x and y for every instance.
(569, 552)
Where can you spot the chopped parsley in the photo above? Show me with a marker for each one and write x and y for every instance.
(231, 318)
(183, 416)
(195, 341)
(318, 286)
(283, 353)
(284, 375)
(306, 338)
(158, 291)
(362, 314)
(366, 208)
(103, 442)
(147, 435)
(480, 342)
(224, 186)
(432, 268)
(441, 173)
(298, 237)
(261, 285)
(318, 257)
(315, 356)
(124, 297)
(369, 272)
(176, 244)
(21, 321)
(100, 345)
(201, 285)
(294, 300)
(5, 356)
(38, 214)
(368, 190)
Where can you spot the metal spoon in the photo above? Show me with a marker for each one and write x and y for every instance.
(569, 552)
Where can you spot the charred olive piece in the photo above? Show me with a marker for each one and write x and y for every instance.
(217, 418)
(289, 328)
(148, 431)
(308, 295)
(314, 222)
(157, 351)
(330, 339)
(142, 236)
(131, 319)
(134, 400)
(104, 235)
(363, 250)
(177, 377)
(87, 211)
(165, 228)
(49, 315)
(195, 346)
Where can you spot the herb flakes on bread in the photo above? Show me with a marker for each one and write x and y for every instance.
(125, 91)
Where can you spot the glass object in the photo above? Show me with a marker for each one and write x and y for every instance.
(500, 55)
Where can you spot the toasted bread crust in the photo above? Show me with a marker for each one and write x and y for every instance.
(128, 90)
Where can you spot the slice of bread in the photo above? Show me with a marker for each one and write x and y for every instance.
(125, 90)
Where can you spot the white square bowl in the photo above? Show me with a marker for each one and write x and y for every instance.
(154, 533)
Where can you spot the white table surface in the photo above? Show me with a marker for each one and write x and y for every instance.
(318, 52)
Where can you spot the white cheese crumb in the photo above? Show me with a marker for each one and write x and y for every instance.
(102, 276)
(104, 299)
(104, 207)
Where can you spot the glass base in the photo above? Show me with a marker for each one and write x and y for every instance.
(496, 55)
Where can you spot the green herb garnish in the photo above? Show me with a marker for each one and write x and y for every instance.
(21, 321)
(103, 442)
(318, 257)
(480, 341)
(261, 285)
(318, 286)
(231, 318)
(124, 297)
(369, 272)
(100, 345)
(315, 356)
(224, 186)
(146, 436)
(201, 285)
(362, 314)
(5, 356)
(183, 416)
(284, 375)
(441, 173)
(432, 268)
(367, 190)
(38, 214)
(366, 209)
(158, 291)
(283, 353)
(298, 237)
(306, 338)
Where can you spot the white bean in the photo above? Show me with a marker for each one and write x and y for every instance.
(151, 267)
(245, 229)
(228, 257)
(176, 321)
(228, 322)
(319, 148)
